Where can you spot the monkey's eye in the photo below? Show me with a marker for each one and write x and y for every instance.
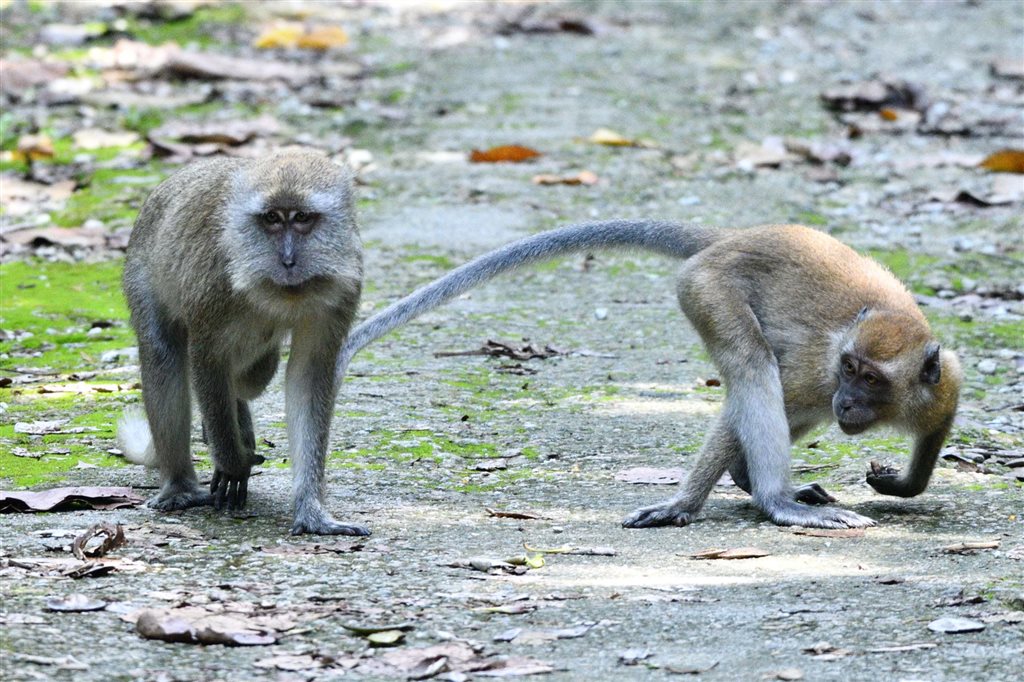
(871, 378)
(848, 368)
(302, 217)
(271, 217)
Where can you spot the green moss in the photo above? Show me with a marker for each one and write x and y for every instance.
(113, 196)
(57, 303)
(979, 333)
(203, 27)
(906, 265)
(811, 218)
(442, 262)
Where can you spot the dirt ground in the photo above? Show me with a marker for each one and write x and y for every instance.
(423, 446)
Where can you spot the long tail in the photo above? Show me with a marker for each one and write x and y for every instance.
(676, 240)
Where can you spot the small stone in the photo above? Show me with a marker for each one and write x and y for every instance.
(987, 366)
(601, 314)
(966, 316)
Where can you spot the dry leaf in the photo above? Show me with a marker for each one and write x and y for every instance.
(95, 138)
(82, 237)
(114, 539)
(1008, 67)
(738, 553)
(22, 197)
(955, 626)
(21, 74)
(970, 547)
(323, 38)
(186, 626)
(62, 499)
(1005, 161)
(279, 35)
(649, 475)
(526, 516)
(214, 66)
(33, 147)
(497, 349)
(610, 138)
(581, 178)
(511, 153)
(826, 532)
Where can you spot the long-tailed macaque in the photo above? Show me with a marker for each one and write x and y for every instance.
(802, 329)
(226, 258)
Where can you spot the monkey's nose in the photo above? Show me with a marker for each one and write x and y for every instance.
(288, 261)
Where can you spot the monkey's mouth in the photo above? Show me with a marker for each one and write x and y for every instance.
(853, 428)
(301, 288)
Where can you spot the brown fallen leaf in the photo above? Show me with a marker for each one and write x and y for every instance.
(1004, 161)
(650, 476)
(173, 625)
(67, 237)
(970, 547)
(33, 148)
(511, 153)
(114, 539)
(232, 132)
(737, 553)
(65, 499)
(22, 197)
(581, 178)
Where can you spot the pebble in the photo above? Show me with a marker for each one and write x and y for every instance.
(987, 366)
(601, 314)
(954, 626)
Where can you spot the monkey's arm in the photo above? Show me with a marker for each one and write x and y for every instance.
(675, 240)
(914, 479)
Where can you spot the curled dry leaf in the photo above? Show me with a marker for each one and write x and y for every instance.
(610, 138)
(33, 148)
(737, 553)
(511, 153)
(171, 626)
(114, 539)
(1005, 161)
(826, 532)
(525, 516)
(581, 178)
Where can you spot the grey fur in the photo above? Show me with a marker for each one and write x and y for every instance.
(213, 296)
(776, 306)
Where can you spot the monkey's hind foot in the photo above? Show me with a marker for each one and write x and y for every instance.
(664, 514)
(322, 524)
(812, 493)
(172, 499)
(787, 513)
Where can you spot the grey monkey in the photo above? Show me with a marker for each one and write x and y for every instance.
(802, 329)
(227, 257)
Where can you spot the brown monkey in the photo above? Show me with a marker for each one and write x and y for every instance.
(226, 258)
(802, 329)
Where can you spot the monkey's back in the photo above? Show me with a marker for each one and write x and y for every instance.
(174, 248)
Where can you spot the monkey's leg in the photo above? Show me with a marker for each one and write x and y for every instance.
(811, 493)
(720, 448)
(310, 388)
(232, 460)
(163, 357)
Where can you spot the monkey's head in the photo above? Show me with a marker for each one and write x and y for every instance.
(291, 238)
(891, 370)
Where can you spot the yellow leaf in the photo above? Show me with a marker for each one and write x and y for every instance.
(1003, 161)
(32, 147)
(323, 38)
(279, 35)
(581, 178)
(610, 138)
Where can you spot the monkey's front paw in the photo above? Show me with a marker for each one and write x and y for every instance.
(229, 491)
(812, 493)
(664, 514)
(886, 480)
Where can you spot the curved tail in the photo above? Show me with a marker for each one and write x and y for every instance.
(676, 240)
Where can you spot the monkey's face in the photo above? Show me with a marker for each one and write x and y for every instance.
(291, 238)
(863, 395)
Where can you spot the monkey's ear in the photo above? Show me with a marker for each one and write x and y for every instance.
(861, 315)
(931, 371)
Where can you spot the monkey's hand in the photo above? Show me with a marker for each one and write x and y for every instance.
(664, 514)
(230, 489)
(887, 480)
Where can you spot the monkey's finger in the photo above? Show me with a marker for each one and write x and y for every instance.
(813, 493)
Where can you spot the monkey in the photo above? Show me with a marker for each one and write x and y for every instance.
(802, 329)
(227, 258)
